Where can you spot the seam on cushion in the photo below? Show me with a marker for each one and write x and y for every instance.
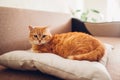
(54, 67)
(60, 70)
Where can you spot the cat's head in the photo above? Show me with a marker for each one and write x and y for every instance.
(39, 35)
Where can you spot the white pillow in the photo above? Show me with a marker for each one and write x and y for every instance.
(108, 49)
(56, 65)
(21, 60)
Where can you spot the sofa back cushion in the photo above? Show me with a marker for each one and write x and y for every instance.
(14, 24)
(109, 29)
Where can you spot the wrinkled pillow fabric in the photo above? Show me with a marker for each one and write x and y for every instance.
(71, 69)
(108, 49)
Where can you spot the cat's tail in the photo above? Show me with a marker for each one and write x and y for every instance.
(94, 55)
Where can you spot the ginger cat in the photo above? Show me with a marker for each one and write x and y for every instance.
(71, 45)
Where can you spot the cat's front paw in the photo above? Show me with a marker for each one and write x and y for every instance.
(70, 57)
(36, 51)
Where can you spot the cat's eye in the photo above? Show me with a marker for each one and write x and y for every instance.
(44, 36)
(35, 36)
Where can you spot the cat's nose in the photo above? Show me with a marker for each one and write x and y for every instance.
(39, 41)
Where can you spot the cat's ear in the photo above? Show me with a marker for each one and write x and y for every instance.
(30, 28)
(46, 27)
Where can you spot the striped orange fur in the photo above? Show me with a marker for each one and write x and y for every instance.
(71, 45)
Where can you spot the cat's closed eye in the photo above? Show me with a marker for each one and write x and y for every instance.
(35, 36)
(44, 36)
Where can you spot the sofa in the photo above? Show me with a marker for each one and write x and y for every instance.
(14, 24)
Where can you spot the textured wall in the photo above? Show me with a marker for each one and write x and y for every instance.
(45, 5)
